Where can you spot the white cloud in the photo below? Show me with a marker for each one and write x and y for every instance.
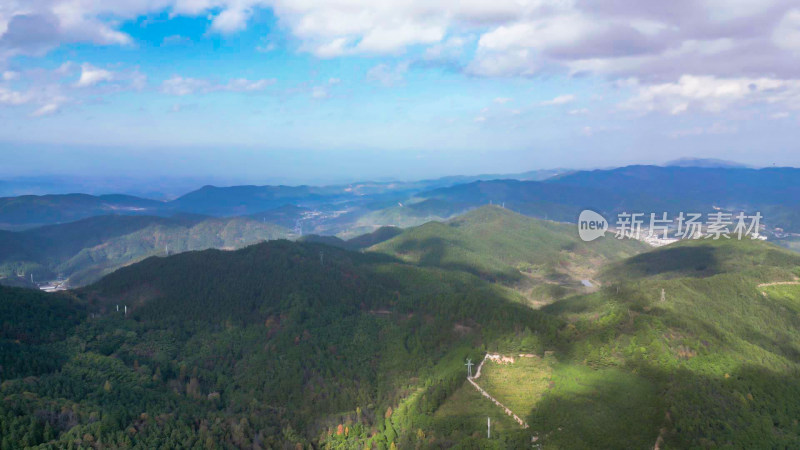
(245, 85)
(711, 94)
(502, 100)
(578, 111)
(10, 75)
(726, 40)
(13, 98)
(91, 76)
(230, 20)
(180, 86)
(560, 100)
(183, 86)
(46, 110)
(501, 64)
(715, 128)
(450, 48)
(395, 39)
(387, 75)
(787, 33)
(319, 92)
(332, 49)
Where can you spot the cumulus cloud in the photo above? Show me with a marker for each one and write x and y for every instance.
(37, 26)
(655, 42)
(645, 39)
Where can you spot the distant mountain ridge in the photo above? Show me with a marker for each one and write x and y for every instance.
(85, 250)
(34, 210)
(773, 191)
(706, 163)
(363, 207)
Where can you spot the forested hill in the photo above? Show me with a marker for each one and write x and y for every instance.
(85, 250)
(283, 344)
(275, 344)
(544, 259)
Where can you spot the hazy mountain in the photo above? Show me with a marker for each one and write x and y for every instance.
(157, 188)
(707, 163)
(32, 210)
(244, 200)
(85, 250)
(774, 191)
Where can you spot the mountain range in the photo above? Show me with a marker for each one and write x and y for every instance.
(284, 344)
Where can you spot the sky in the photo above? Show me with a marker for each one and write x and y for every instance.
(305, 91)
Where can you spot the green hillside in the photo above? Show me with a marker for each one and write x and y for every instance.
(276, 344)
(283, 343)
(359, 242)
(84, 251)
(720, 351)
(543, 259)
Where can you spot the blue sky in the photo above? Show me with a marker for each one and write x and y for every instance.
(333, 90)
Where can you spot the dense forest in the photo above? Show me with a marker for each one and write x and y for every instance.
(276, 343)
(306, 345)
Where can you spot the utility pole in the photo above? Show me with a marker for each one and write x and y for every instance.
(488, 428)
(117, 308)
(126, 310)
(469, 368)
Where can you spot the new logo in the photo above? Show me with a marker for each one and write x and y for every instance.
(591, 225)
